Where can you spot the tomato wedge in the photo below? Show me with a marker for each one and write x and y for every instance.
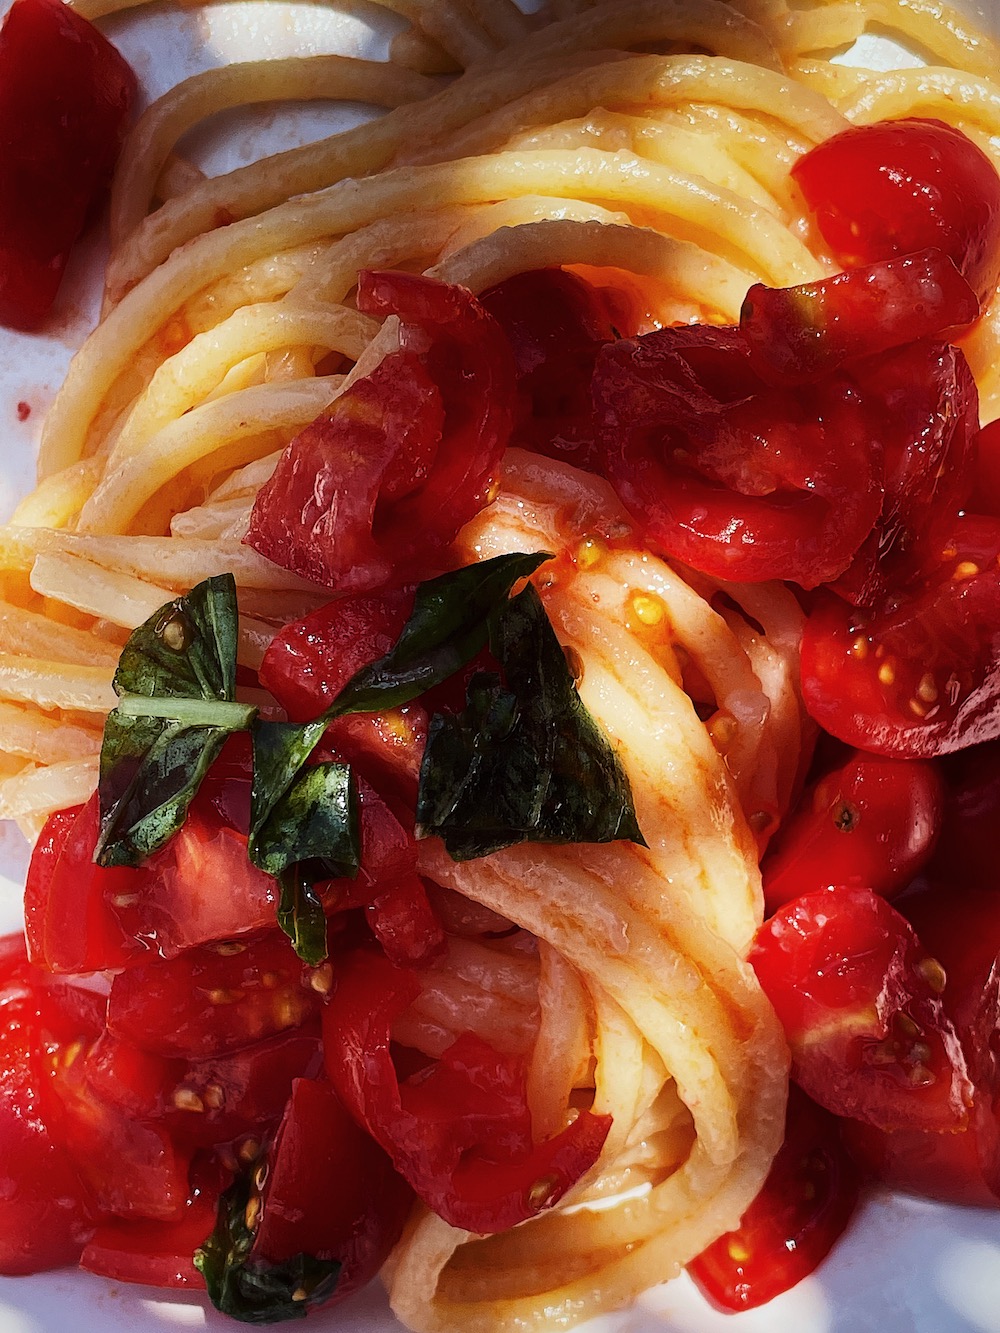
(895, 187)
(860, 1002)
(735, 477)
(803, 1208)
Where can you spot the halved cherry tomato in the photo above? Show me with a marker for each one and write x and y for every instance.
(65, 98)
(802, 1210)
(860, 1004)
(405, 456)
(920, 674)
(895, 187)
(207, 1001)
(459, 1130)
(331, 1191)
(69, 900)
(798, 334)
(869, 823)
(45, 1212)
(736, 478)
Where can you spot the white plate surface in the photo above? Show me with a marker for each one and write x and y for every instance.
(905, 1266)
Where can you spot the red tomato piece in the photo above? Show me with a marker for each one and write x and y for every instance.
(927, 420)
(158, 1254)
(45, 1212)
(207, 1001)
(459, 1130)
(966, 852)
(69, 901)
(986, 492)
(408, 454)
(798, 334)
(859, 1001)
(556, 323)
(734, 477)
(65, 98)
(331, 1191)
(895, 187)
(920, 674)
(869, 823)
(803, 1208)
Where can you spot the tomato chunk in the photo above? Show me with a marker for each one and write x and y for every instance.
(895, 187)
(868, 823)
(860, 1003)
(919, 674)
(65, 98)
(459, 1130)
(737, 478)
(803, 1208)
(798, 334)
(405, 456)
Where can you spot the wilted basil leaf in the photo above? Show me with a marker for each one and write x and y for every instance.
(176, 678)
(251, 1290)
(446, 629)
(525, 761)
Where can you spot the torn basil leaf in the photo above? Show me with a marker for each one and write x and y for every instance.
(176, 679)
(446, 629)
(524, 761)
(251, 1290)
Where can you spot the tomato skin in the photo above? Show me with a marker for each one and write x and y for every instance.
(155, 1254)
(918, 675)
(986, 494)
(798, 334)
(69, 918)
(869, 823)
(459, 1130)
(331, 1191)
(65, 98)
(869, 1036)
(895, 187)
(801, 1211)
(206, 1001)
(737, 478)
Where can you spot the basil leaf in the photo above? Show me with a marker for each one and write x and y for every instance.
(251, 1290)
(304, 826)
(446, 629)
(524, 761)
(177, 680)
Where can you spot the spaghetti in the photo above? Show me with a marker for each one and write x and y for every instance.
(646, 144)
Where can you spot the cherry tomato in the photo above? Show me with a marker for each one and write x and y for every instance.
(803, 1208)
(65, 98)
(918, 675)
(959, 923)
(405, 456)
(734, 477)
(459, 1130)
(68, 900)
(798, 334)
(869, 823)
(556, 323)
(331, 1191)
(860, 1004)
(45, 1211)
(895, 187)
(210, 1000)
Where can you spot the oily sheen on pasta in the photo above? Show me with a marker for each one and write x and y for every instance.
(643, 143)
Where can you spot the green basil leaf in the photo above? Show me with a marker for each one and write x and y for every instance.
(251, 1290)
(301, 915)
(176, 678)
(524, 761)
(446, 629)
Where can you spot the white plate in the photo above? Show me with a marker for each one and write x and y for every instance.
(905, 1266)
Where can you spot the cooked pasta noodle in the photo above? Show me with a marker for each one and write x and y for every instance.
(646, 140)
